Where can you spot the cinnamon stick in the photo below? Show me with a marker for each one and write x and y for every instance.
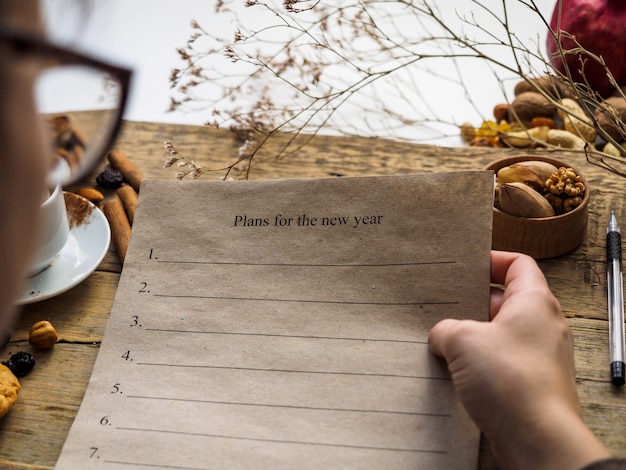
(129, 198)
(120, 161)
(120, 226)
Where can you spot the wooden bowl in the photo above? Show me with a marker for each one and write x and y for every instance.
(544, 237)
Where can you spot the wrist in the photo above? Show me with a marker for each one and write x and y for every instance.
(557, 439)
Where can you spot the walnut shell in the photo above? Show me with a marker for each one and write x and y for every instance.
(608, 114)
(529, 105)
(553, 86)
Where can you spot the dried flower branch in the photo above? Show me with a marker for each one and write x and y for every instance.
(361, 68)
(186, 167)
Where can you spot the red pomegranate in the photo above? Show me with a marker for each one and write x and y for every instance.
(600, 27)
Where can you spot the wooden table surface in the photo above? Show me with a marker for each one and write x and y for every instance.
(32, 434)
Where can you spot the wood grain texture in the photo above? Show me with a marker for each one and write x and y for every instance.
(32, 434)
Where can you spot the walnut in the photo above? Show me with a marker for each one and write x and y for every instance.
(571, 203)
(565, 190)
(556, 202)
(565, 181)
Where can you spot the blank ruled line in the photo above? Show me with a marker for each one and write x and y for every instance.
(310, 265)
(272, 335)
(292, 371)
(295, 407)
(304, 301)
(284, 441)
(151, 465)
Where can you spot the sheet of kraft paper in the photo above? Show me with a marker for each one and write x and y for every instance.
(284, 324)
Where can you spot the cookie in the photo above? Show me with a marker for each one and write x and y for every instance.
(9, 388)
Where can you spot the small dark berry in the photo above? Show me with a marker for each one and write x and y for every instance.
(20, 363)
(110, 178)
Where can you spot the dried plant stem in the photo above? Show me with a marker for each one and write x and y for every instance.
(309, 61)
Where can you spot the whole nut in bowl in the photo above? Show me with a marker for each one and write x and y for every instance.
(541, 206)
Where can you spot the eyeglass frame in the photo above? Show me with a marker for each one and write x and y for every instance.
(24, 43)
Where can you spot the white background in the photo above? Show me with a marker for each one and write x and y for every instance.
(144, 35)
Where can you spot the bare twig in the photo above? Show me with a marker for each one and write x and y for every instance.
(300, 65)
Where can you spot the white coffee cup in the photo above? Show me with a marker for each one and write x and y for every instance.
(54, 231)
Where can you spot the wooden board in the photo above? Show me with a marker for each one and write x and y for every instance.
(32, 434)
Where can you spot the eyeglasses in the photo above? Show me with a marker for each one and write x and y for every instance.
(81, 100)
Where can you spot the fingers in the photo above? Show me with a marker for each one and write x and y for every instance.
(438, 336)
(441, 336)
(496, 298)
(507, 267)
(524, 286)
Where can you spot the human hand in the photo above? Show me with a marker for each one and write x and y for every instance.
(515, 374)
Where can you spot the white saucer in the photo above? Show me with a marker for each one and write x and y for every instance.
(81, 255)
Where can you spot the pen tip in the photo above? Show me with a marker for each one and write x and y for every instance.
(613, 226)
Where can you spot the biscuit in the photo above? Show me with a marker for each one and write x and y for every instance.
(9, 388)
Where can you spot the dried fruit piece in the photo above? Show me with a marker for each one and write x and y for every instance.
(485, 142)
(543, 122)
(110, 178)
(42, 335)
(20, 363)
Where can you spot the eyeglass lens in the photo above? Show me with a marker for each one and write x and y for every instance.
(79, 106)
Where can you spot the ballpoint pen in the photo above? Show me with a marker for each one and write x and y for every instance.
(615, 291)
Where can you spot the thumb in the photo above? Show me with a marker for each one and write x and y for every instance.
(440, 336)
